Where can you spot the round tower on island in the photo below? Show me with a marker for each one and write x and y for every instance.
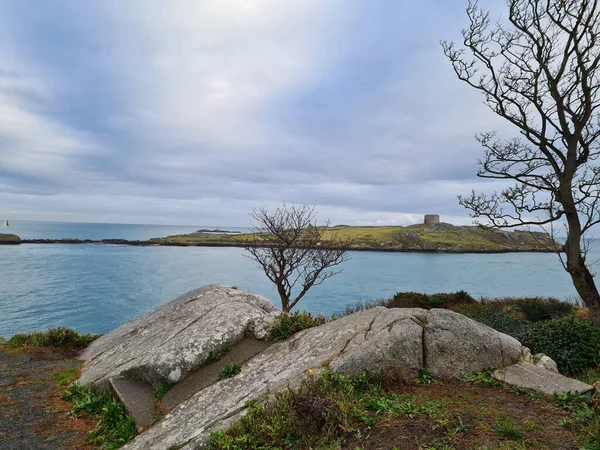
(431, 219)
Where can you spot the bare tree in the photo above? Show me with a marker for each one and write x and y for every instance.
(540, 70)
(292, 250)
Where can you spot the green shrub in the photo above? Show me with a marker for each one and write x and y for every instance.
(289, 324)
(230, 370)
(441, 300)
(114, 428)
(534, 309)
(537, 309)
(574, 344)
(54, 337)
(495, 318)
(406, 300)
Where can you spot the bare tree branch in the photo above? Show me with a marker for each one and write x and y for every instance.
(293, 250)
(540, 70)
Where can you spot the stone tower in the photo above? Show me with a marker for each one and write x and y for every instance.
(431, 218)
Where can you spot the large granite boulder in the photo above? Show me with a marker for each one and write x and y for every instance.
(164, 345)
(446, 343)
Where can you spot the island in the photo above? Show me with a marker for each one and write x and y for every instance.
(9, 239)
(431, 236)
(427, 237)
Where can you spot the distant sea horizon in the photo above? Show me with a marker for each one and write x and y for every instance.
(96, 288)
(39, 229)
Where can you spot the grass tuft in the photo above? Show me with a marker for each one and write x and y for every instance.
(508, 429)
(290, 324)
(230, 370)
(115, 427)
(54, 337)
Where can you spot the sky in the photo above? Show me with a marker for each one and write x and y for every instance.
(198, 111)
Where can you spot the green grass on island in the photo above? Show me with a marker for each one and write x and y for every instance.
(441, 237)
(9, 239)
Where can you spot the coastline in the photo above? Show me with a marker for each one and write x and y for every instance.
(160, 243)
(424, 238)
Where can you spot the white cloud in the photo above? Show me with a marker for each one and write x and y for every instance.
(209, 108)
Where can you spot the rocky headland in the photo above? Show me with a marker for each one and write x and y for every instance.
(185, 343)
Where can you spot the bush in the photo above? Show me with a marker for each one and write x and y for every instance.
(499, 320)
(574, 344)
(54, 337)
(289, 324)
(416, 300)
(538, 309)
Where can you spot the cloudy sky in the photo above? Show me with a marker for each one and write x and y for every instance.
(197, 111)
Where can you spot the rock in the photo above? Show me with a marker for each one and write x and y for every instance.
(456, 345)
(164, 345)
(393, 338)
(375, 339)
(545, 362)
(527, 375)
(597, 386)
(137, 398)
(207, 375)
(2, 341)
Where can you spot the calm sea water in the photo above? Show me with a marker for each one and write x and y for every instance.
(95, 288)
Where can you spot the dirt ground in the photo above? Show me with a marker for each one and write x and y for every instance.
(32, 414)
(469, 420)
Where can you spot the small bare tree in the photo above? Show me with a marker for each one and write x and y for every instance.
(541, 72)
(292, 250)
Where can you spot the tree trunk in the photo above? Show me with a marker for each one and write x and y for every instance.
(283, 295)
(583, 280)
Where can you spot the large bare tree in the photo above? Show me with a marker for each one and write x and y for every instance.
(540, 70)
(291, 249)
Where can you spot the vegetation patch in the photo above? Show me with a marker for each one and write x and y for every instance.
(65, 377)
(292, 323)
(54, 337)
(115, 427)
(230, 370)
(330, 411)
(574, 344)
(160, 391)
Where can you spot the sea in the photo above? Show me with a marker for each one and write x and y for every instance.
(95, 288)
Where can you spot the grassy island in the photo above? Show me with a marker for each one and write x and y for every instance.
(9, 239)
(439, 237)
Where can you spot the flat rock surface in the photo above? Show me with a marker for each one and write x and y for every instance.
(205, 376)
(137, 398)
(166, 344)
(375, 339)
(528, 375)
